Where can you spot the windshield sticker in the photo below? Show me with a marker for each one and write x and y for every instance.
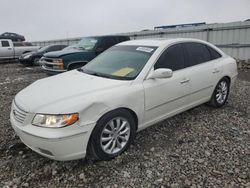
(123, 71)
(145, 49)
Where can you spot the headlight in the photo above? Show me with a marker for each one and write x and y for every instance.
(58, 64)
(55, 121)
(27, 56)
(58, 61)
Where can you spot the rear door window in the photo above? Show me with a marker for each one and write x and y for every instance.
(213, 53)
(196, 53)
(172, 58)
(60, 47)
(5, 43)
(53, 48)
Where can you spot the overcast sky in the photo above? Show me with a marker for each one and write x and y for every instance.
(55, 19)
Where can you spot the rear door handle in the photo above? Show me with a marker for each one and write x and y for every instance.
(216, 71)
(184, 81)
(9, 48)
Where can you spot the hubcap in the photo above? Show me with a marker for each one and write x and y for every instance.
(36, 61)
(115, 135)
(221, 92)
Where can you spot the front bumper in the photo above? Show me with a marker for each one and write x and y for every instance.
(27, 61)
(60, 144)
(48, 66)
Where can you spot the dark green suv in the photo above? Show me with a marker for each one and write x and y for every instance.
(83, 52)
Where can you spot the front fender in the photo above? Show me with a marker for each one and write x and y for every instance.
(77, 57)
(82, 63)
(109, 101)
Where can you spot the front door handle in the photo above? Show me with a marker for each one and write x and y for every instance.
(184, 81)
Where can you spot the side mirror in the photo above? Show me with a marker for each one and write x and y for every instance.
(161, 73)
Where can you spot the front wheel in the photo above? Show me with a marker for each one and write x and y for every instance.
(112, 135)
(220, 94)
(36, 61)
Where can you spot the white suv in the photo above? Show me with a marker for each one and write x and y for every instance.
(135, 84)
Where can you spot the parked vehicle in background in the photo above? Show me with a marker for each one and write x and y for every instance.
(32, 58)
(71, 47)
(9, 51)
(87, 49)
(12, 36)
(98, 108)
(17, 44)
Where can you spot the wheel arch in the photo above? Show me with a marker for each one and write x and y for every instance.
(26, 52)
(89, 151)
(134, 115)
(228, 78)
(132, 112)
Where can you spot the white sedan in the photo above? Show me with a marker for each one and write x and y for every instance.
(97, 109)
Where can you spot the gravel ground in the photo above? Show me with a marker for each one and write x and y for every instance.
(203, 147)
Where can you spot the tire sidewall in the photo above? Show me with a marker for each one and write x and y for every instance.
(101, 123)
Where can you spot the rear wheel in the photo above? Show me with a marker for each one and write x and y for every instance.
(112, 135)
(220, 94)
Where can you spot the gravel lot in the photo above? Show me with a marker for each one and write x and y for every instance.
(203, 147)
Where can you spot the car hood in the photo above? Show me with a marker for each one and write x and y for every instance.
(28, 53)
(58, 94)
(60, 53)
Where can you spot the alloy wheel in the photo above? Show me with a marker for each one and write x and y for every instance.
(115, 135)
(221, 92)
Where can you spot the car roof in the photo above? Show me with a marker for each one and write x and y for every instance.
(157, 42)
(11, 33)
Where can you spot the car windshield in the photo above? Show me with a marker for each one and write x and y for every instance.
(69, 47)
(87, 43)
(120, 62)
(43, 49)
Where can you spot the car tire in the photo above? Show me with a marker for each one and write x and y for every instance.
(113, 134)
(220, 94)
(36, 61)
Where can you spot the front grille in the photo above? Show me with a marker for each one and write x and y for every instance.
(48, 60)
(18, 113)
(48, 65)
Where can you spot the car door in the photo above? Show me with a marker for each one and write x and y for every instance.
(202, 71)
(168, 96)
(6, 51)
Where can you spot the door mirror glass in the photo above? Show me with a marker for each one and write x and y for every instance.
(161, 73)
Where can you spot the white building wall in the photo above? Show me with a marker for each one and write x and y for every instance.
(233, 38)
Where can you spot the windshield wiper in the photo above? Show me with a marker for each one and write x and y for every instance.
(80, 47)
(94, 73)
